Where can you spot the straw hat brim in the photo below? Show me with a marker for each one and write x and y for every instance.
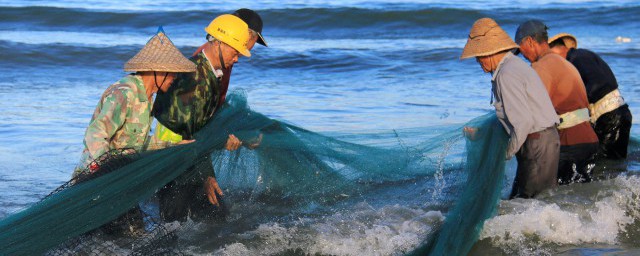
(159, 54)
(569, 40)
(486, 38)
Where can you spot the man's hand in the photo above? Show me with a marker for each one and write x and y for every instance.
(255, 143)
(185, 142)
(470, 132)
(213, 190)
(233, 143)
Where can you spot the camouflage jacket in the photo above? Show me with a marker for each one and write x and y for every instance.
(122, 119)
(191, 100)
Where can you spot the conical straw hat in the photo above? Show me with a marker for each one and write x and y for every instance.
(160, 55)
(486, 38)
(569, 40)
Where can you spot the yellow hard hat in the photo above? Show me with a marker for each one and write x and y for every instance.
(232, 31)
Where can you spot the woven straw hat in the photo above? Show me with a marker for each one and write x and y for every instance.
(160, 55)
(569, 40)
(486, 38)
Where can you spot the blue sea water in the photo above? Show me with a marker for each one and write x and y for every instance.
(331, 67)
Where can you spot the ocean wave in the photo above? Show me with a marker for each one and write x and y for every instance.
(191, 5)
(593, 213)
(289, 44)
(364, 230)
(108, 50)
(314, 22)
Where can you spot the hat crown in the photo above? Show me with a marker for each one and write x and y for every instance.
(232, 31)
(486, 38)
(530, 28)
(252, 19)
(160, 54)
(483, 26)
(569, 40)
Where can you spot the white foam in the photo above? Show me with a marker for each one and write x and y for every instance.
(391, 230)
(525, 226)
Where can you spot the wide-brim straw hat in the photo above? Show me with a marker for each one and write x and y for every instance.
(159, 54)
(569, 40)
(486, 38)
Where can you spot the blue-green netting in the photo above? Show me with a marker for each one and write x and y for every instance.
(291, 163)
(485, 166)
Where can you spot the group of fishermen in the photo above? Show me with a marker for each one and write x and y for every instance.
(188, 93)
(561, 113)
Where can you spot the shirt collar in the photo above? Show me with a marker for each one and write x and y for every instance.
(495, 73)
(217, 72)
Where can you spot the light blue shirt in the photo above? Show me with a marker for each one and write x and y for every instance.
(522, 102)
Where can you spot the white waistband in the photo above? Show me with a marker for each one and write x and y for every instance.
(573, 118)
(608, 103)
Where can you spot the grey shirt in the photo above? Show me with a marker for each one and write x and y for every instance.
(522, 103)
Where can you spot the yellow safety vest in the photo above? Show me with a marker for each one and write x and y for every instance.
(164, 134)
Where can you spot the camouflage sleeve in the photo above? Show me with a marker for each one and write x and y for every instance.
(173, 109)
(110, 117)
(190, 101)
(155, 143)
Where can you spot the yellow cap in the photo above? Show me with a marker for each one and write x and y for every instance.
(232, 31)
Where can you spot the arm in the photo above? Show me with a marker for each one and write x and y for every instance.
(517, 110)
(173, 109)
(110, 118)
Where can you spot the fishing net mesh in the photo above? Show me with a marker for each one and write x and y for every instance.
(103, 213)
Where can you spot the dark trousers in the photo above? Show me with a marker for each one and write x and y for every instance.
(128, 224)
(613, 130)
(186, 197)
(576, 162)
(537, 164)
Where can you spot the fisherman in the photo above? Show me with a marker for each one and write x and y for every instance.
(610, 115)
(122, 118)
(522, 106)
(578, 141)
(254, 22)
(197, 193)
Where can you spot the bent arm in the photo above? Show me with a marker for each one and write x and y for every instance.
(106, 122)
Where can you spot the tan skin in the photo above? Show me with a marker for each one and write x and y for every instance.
(149, 81)
(533, 50)
(488, 64)
(560, 50)
(230, 56)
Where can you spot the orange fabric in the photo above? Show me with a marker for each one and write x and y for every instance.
(567, 93)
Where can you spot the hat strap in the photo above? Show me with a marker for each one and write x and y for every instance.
(220, 55)
(155, 79)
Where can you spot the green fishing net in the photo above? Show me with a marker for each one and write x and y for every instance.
(291, 165)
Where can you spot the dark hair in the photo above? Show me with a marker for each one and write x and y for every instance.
(558, 42)
(540, 37)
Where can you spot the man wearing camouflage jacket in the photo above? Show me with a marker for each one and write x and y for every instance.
(122, 118)
(191, 102)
